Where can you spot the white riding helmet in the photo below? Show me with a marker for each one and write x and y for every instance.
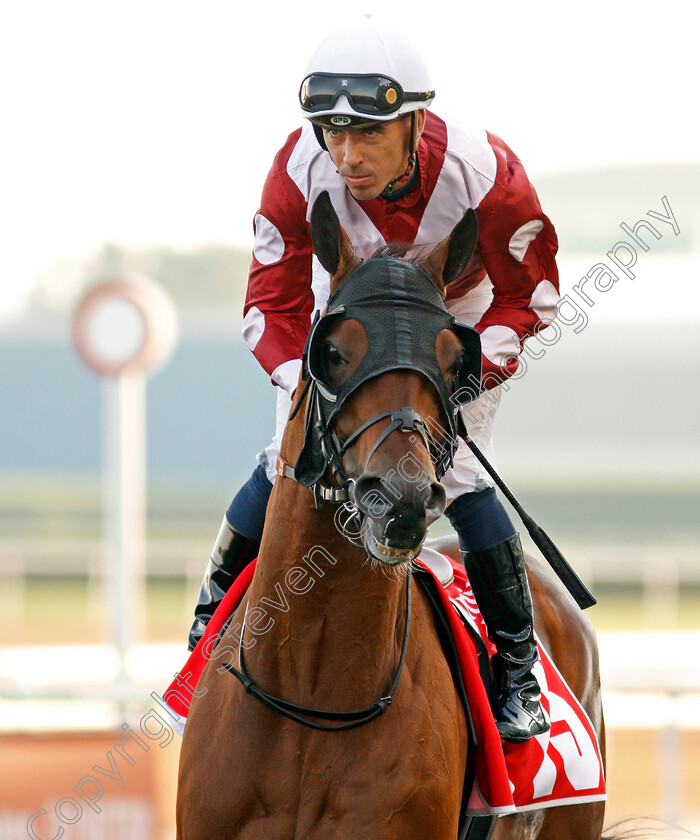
(364, 73)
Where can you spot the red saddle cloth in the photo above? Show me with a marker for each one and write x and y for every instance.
(561, 767)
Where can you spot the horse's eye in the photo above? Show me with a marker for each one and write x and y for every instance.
(457, 365)
(333, 363)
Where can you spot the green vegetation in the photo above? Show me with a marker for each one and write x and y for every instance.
(66, 610)
(211, 277)
(53, 526)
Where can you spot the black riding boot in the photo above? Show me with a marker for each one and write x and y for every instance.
(230, 555)
(498, 579)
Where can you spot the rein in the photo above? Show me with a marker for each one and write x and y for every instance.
(301, 714)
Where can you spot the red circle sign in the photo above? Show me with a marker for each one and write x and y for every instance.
(125, 326)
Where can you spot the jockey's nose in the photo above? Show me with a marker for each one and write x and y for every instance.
(352, 149)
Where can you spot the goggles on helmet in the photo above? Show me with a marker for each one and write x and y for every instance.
(368, 94)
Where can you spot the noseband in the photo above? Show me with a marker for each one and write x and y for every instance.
(332, 448)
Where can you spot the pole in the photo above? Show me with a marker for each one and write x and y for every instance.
(125, 475)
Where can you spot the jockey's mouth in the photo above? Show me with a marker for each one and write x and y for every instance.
(356, 180)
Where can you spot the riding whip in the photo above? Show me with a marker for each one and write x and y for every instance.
(550, 552)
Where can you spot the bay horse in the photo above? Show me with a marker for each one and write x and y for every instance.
(349, 648)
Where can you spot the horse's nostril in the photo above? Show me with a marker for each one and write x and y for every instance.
(375, 498)
(436, 501)
(371, 497)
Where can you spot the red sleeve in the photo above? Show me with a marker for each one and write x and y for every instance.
(279, 298)
(518, 245)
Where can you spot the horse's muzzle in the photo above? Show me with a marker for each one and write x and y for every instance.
(397, 514)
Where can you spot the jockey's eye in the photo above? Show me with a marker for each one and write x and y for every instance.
(333, 364)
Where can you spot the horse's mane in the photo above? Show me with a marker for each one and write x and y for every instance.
(397, 250)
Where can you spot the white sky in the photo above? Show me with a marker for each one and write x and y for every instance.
(155, 122)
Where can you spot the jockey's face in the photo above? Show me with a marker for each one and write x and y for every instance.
(368, 158)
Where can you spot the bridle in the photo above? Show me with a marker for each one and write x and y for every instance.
(390, 290)
(333, 448)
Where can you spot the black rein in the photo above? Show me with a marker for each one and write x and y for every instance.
(301, 714)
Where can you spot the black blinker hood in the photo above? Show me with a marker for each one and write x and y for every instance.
(403, 312)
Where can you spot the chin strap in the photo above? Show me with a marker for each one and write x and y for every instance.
(318, 131)
(397, 184)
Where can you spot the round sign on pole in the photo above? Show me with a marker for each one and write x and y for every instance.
(124, 329)
(125, 326)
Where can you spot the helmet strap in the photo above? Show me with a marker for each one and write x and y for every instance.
(318, 131)
(397, 184)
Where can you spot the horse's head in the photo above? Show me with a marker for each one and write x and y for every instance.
(388, 370)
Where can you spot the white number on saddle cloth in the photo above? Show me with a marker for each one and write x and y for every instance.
(569, 737)
(565, 761)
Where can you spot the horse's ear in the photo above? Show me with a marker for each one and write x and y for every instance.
(448, 259)
(330, 242)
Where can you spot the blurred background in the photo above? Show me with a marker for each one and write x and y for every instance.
(137, 138)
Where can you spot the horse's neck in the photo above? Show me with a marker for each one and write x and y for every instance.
(319, 617)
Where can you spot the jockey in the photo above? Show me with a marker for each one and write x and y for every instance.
(397, 172)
